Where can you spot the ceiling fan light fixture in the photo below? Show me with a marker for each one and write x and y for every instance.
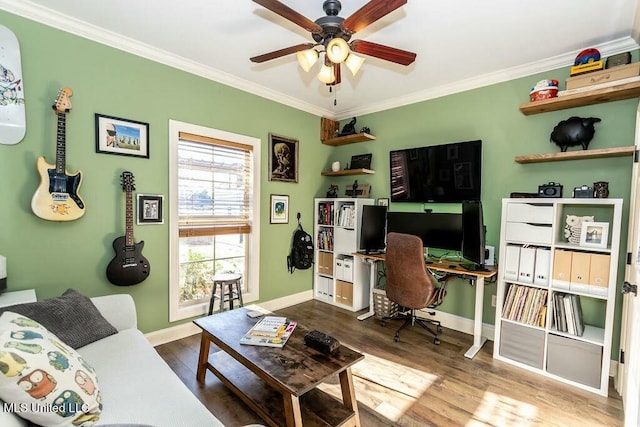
(326, 74)
(337, 50)
(353, 63)
(307, 58)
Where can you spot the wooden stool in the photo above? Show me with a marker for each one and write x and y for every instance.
(232, 292)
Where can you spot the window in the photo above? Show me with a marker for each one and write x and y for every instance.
(214, 200)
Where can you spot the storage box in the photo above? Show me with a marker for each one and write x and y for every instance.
(525, 212)
(522, 344)
(597, 77)
(529, 233)
(575, 360)
(383, 306)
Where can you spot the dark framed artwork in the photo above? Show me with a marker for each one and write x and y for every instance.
(124, 137)
(283, 158)
(150, 209)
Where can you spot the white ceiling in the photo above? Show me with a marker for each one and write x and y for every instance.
(460, 44)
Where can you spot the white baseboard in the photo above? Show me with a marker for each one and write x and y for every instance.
(184, 330)
(447, 320)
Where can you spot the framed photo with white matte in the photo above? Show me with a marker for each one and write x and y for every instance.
(150, 209)
(594, 234)
(279, 209)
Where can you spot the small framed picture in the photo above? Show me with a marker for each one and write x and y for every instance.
(382, 202)
(121, 136)
(279, 209)
(594, 234)
(283, 158)
(150, 209)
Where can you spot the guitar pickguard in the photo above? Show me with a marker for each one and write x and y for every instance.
(62, 187)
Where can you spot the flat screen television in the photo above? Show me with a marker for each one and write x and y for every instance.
(473, 235)
(373, 232)
(437, 230)
(447, 173)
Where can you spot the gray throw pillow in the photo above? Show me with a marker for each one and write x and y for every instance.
(72, 317)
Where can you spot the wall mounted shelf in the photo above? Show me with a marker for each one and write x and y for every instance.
(349, 172)
(595, 96)
(575, 155)
(349, 139)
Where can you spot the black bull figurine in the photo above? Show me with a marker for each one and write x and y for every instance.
(574, 131)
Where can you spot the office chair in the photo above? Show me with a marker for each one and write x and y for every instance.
(409, 284)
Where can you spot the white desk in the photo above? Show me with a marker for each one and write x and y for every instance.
(447, 267)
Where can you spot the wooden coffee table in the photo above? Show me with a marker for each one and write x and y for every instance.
(279, 384)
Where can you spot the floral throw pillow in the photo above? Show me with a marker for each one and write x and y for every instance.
(42, 379)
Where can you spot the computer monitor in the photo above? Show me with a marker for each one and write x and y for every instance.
(373, 229)
(473, 233)
(437, 230)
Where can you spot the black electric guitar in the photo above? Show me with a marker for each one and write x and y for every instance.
(57, 198)
(128, 267)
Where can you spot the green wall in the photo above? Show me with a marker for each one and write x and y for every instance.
(53, 256)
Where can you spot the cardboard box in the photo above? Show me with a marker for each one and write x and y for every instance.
(597, 77)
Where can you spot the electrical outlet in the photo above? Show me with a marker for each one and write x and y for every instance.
(493, 300)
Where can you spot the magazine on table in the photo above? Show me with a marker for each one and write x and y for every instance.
(278, 340)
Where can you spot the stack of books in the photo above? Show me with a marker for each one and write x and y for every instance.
(567, 313)
(270, 331)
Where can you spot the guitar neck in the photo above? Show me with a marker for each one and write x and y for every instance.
(60, 144)
(129, 220)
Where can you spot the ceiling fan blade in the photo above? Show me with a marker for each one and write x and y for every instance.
(387, 53)
(281, 52)
(369, 13)
(286, 12)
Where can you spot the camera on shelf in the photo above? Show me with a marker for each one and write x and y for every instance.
(552, 189)
(583, 192)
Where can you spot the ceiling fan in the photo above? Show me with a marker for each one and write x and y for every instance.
(332, 34)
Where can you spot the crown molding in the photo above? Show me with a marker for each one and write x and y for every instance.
(91, 32)
(624, 44)
(37, 13)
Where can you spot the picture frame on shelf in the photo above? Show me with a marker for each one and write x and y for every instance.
(150, 209)
(594, 234)
(283, 158)
(279, 209)
(382, 202)
(124, 137)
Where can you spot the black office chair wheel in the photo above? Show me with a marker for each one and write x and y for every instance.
(396, 338)
(383, 323)
(436, 341)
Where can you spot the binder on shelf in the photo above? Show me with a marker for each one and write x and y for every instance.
(562, 269)
(541, 270)
(512, 260)
(527, 264)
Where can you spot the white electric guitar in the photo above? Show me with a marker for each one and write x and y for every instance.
(57, 198)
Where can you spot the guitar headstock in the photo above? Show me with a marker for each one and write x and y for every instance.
(62, 103)
(128, 181)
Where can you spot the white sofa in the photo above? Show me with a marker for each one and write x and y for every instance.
(137, 386)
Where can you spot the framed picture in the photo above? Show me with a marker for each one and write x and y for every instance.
(150, 209)
(283, 158)
(279, 209)
(358, 191)
(121, 136)
(594, 234)
(382, 202)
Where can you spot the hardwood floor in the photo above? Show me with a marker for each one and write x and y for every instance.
(414, 382)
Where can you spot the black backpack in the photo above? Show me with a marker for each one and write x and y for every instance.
(301, 255)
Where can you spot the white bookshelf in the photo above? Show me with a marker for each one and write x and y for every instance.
(579, 360)
(339, 279)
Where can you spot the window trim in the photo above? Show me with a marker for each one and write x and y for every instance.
(253, 284)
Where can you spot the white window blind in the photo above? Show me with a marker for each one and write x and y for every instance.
(214, 186)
